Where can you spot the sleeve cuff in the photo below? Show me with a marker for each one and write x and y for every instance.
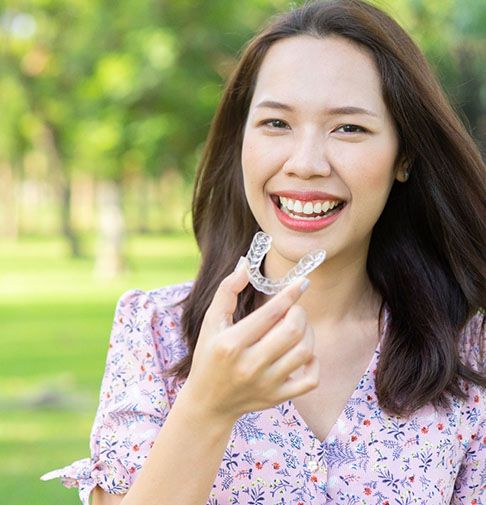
(86, 474)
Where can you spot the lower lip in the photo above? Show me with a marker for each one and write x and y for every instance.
(304, 224)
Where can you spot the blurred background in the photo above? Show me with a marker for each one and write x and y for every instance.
(104, 108)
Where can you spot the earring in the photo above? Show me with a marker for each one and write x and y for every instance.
(406, 174)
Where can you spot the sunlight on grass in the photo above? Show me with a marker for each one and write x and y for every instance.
(35, 268)
(55, 321)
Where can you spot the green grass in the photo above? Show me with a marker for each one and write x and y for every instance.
(55, 320)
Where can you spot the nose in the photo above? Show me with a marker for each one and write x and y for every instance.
(308, 157)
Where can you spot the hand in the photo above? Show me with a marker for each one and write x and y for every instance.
(248, 366)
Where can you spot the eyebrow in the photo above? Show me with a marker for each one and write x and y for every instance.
(336, 111)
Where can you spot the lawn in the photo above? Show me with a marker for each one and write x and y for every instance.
(55, 320)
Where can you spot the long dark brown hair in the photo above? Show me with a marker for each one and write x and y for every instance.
(427, 251)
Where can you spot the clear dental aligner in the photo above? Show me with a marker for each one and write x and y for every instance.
(260, 245)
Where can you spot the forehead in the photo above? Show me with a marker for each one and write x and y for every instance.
(321, 72)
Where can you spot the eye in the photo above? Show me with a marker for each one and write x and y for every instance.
(275, 123)
(351, 128)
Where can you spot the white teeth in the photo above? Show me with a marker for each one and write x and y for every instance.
(297, 206)
(300, 218)
(308, 208)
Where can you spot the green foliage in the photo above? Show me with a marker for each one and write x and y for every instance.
(452, 33)
(111, 78)
(142, 79)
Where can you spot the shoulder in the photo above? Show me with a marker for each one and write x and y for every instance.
(163, 298)
(472, 341)
(144, 306)
(151, 319)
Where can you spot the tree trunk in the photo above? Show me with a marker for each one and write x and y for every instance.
(111, 231)
(9, 202)
(143, 199)
(63, 183)
(66, 226)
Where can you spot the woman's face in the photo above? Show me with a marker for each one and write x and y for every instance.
(319, 148)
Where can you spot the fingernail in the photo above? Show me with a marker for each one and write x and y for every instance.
(304, 285)
(242, 261)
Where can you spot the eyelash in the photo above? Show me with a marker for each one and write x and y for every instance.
(268, 122)
(283, 124)
(357, 129)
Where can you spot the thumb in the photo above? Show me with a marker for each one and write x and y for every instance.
(225, 299)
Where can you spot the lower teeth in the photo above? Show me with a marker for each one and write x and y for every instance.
(310, 218)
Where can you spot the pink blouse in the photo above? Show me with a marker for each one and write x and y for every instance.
(432, 457)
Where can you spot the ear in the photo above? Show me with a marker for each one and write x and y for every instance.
(403, 170)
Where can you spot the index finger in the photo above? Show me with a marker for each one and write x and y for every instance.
(263, 319)
(225, 298)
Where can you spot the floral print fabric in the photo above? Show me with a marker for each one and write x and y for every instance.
(430, 458)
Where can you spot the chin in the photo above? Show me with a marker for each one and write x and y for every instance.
(291, 254)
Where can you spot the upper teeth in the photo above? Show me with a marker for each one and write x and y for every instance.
(307, 207)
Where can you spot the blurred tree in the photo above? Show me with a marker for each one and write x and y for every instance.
(452, 33)
(124, 90)
(116, 88)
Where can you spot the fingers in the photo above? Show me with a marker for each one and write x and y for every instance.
(285, 335)
(290, 363)
(254, 326)
(307, 381)
(225, 299)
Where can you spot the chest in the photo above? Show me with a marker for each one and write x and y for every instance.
(340, 375)
(273, 452)
(343, 363)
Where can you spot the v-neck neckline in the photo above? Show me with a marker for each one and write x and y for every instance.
(331, 435)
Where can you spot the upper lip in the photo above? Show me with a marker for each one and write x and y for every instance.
(306, 195)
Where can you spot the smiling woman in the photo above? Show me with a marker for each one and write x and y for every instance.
(366, 385)
(319, 133)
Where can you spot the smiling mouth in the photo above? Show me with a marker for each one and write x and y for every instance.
(313, 210)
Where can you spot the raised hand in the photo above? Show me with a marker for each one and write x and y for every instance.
(248, 365)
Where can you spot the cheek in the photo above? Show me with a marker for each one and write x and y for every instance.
(381, 173)
(258, 159)
(372, 165)
(249, 164)
(377, 178)
(369, 175)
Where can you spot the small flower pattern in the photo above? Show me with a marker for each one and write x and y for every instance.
(429, 458)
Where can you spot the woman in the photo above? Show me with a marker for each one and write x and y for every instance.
(364, 386)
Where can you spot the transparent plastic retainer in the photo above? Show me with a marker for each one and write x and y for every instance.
(259, 247)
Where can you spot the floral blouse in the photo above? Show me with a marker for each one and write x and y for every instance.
(432, 457)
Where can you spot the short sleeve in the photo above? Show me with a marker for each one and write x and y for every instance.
(134, 399)
(470, 485)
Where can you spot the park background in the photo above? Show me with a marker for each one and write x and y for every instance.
(104, 108)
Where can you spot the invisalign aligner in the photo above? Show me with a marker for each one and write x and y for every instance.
(260, 245)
